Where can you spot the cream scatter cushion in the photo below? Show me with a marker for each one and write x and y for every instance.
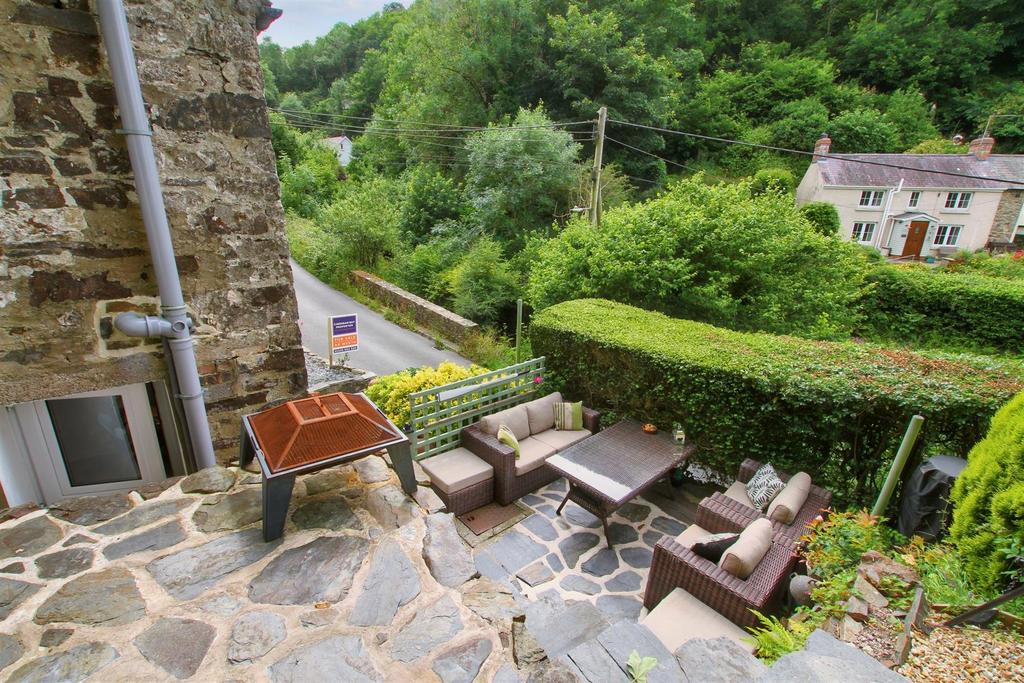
(787, 503)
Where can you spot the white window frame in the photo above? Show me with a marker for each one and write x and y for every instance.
(871, 199)
(947, 235)
(958, 201)
(863, 232)
(915, 199)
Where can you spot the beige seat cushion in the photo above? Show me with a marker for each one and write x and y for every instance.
(515, 418)
(540, 412)
(738, 492)
(787, 503)
(680, 617)
(691, 535)
(456, 469)
(533, 453)
(742, 557)
(560, 440)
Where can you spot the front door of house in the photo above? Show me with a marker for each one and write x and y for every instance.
(90, 443)
(915, 238)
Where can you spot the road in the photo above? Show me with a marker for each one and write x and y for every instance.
(383, 346)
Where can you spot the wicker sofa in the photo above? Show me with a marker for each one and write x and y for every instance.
(733, 511)
(675, 565)
(533, 425)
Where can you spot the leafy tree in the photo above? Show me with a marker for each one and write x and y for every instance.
(823, 216)
(521, 177)
(863, 131)
(938, 146)
(482, 284)
(798, 124)
(710, 253)
(363, 223)
(909, 114)
(773, 180)
(430, 198)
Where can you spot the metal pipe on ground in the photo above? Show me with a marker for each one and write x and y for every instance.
(175, 324)
(898, 463)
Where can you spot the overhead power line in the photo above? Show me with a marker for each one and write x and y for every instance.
(448, 128)
(802, 152)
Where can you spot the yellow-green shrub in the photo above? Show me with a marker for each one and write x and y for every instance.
(391, 392)
(989, 497)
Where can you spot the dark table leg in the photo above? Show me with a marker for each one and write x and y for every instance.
(401, 460)
(277, 494)
(564, 500)
(246, 451)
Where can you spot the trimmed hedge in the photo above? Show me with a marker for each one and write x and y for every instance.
(834, 410)
(920, 304)
(988, 498)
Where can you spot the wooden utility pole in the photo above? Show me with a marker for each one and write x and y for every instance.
(595, 173)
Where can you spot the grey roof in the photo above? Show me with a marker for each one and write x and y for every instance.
(842, 170)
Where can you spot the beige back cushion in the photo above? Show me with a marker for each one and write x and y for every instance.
(515, 418)
(540, 414)
(742, 557)
(788, 502)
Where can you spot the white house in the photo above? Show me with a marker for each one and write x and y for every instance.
(920, 210)
(342, 146)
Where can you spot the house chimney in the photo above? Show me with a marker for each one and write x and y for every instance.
(981, 147)
(822, 146)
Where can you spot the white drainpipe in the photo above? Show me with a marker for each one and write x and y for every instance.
(885, 214)
(173, 324)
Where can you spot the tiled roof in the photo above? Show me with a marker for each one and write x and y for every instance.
(837, 170)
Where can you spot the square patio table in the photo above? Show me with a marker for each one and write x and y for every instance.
(607, 470)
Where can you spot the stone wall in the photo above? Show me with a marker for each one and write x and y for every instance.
(74, 250)
(431, 316)
(1004, 225)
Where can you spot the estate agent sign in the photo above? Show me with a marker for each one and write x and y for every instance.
(344, 336)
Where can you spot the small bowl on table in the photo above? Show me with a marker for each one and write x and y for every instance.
(649, 428)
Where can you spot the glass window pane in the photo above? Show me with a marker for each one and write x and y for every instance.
(94, 439)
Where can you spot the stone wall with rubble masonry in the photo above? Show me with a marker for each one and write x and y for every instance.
(73, 250)
(1004, 224)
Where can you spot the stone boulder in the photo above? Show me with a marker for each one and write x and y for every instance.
(718, 660)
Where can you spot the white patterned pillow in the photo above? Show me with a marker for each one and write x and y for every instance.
(763, 486)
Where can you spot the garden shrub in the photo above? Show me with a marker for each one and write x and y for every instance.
(1006, 266)
(836, 410)
(823, 216)
(391, 392)
(988, 498)
(482, 283)
(773, 180)
(924, 305)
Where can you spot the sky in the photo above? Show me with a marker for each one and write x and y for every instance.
(306, 19)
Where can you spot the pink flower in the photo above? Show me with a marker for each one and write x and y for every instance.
(538, 379)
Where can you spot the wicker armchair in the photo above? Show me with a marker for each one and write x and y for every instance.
(676, 566)
(508, 486)
(722, 513)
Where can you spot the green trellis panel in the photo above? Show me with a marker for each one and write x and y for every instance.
(437, 415)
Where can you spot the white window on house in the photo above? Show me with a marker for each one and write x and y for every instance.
(915, 199)
(871, 197)
(863, 232)
(947, 235)
(958, 200)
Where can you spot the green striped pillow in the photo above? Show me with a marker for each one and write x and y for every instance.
(506, 437)
(568, 416)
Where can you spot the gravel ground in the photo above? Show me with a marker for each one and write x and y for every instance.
(966, 654)
(318, 371)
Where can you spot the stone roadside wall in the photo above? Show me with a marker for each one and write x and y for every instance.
(429, 315)
(73, 249)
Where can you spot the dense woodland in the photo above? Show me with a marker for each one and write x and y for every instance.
(473, 129)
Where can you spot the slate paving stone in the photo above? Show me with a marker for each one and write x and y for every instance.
(392, 582)
(558, 485)
(108, 597)
(634, 512)
(338, 658)
(333, 479)
(536, 574)
(249, 479)
(514, 550)
(638, 558)
(29, 537)
(577, 583)
(624, 582)
(560, 630)
(491, 601)
(602, 563)
(555, 562)
(77, 539)
(224, 605)
(619, 606)
(580, 517)
(209, 480)
(372, 470)
(557, 497)
(13, 593)
(432, 627)
(11, 649)
(486, 565)
(718, 660)
(533, 500)
(547, 510)
(390, 507)
(141, 516)
(254, 635)
(621, 534)
(332, 512)
(89, 510)
(75, 664)
(668, 525)
(52, 637)
(540, 527)
(229, 512)
(622, 638)
(462, 664)
(449, 560)
(652, 537)
(178, 646)
(572, 547)
(153, 490)
(506, 674)
(428, 500)
(157, 538)
(596, 665)
(189, 573)
(13, 568)
(319, 571)
(317, 618)
(64, 563)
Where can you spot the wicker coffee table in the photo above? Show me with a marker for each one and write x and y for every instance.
(607, 470)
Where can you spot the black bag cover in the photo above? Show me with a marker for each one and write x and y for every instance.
(925, 504)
